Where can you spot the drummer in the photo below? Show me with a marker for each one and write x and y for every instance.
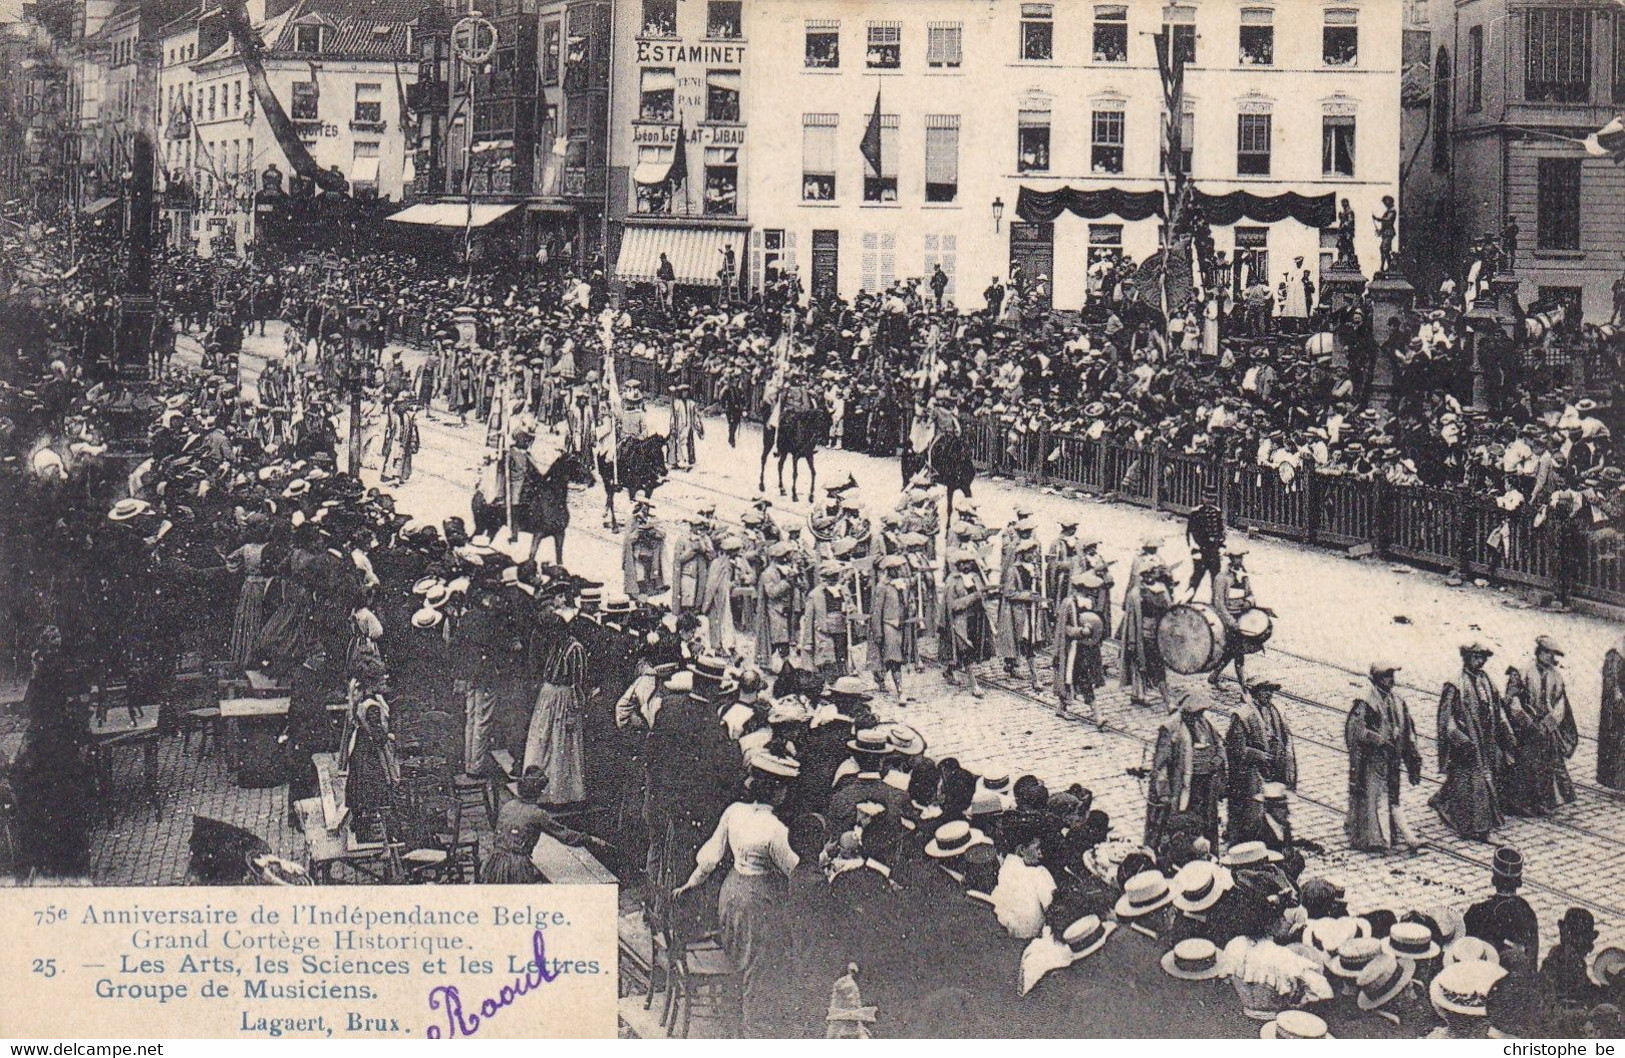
(1079, 632)
(1232, 598)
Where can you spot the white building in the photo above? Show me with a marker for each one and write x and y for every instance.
(982, 102)
(338, 68)
(177, 49)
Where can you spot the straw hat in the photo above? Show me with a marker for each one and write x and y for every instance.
(1200, 884)
(1295, 1025)
(1196, 959)
(1383, 979)
(1464, 987)
(1144, 893)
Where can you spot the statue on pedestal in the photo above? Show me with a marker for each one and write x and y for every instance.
(1346, 257)
(1509, 244)
(1387, 230)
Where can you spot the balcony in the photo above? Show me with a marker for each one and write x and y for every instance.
(361, 125)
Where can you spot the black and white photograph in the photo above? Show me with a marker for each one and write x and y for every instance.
(978, 518)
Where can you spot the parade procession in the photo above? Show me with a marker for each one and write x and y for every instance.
(1157, 642)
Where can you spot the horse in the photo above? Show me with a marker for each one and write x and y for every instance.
(543, 509)
(947, 461)
(796, 438)
(640, 466)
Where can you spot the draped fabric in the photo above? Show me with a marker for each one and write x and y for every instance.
(1045, 206)
(1312, 211)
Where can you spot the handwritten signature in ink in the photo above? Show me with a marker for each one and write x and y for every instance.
(464, 1022)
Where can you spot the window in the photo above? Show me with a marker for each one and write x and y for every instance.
(1441, 110)
(1032, 141)
(1037, 32)
(1328, 249)
(885, 46)
(723, 20)
(657, 97)
(1337, 145)
(305, 101)
(659, 18)
(942, 250)
(1252, 257)
(882, 186)
(1340, 37)
(1558, 211)
(823, 44)
(722, 95)
(1105, 243)
(211, 101)
(879, 260)
(818, 151)
(721, 181)
(1111, 33)
(1257, 37)
(1253, 145)
(1179, 23)
(236, 97)
(1475, 69)
(941, 157)
(550, 52)
(369, 103)
(943, 44)
(1106, 142)
(1557, 55)
(652, 178)
(1187, 142)
(307, 38)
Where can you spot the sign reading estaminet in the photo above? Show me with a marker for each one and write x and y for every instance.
(436, 962)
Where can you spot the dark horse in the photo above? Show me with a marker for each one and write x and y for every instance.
(543, 509)
(796, 438)
(640, 467)
(948, 462)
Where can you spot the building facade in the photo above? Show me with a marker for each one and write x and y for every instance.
(1515, 86)
(981, 103)
(37, 144)
(680, 139)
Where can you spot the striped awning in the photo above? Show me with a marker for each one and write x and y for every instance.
(695, 253)
(453, 214)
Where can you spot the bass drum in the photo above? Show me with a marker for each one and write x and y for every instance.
(1191, 638)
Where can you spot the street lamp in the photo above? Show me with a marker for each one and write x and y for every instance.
(998, 212)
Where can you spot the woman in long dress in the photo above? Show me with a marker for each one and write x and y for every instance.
(754, 895)
(251, 561)
(555, 740)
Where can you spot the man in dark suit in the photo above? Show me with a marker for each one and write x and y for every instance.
(872, 749)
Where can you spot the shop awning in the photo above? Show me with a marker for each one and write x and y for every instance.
(364, 171)
(695, 253)
(452, 214)
(98, 205)
(652, 171)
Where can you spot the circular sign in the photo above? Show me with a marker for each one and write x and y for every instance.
(474, 40)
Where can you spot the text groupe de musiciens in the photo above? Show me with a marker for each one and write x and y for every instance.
(266, 938)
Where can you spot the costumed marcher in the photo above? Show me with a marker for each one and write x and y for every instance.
(1611, 715)
(1233, 597)
(1144, 671)
(966, 631)
(1381, 741)
(643, 552)
(1474, 748)
(1537, 702)
(892, 624)
(826, 633)
(1079, 633)
(1188, 777)
(1258, 750)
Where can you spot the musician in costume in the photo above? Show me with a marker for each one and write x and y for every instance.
(692, 554)
(717, 602)
(775, 591)
(826, 635)
(1538, 707)
(1079, 633)
(1381, 741)
(1233, 597)
(1258, 750)
(1144, 672)
(1475, 748)
(893, 624)
(643, 552)
(1188, 776)
(1092, 560)
(922, 570)
(1061, 558)
(967, 633)
(1021, 606)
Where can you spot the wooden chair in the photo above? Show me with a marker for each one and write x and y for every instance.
(435, 849)
(698, 974)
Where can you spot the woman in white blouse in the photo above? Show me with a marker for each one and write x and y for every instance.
(751, 906)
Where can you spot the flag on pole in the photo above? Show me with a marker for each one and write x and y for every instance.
(870, 145)
(612, 387)
(1608, 141)
(677, 176)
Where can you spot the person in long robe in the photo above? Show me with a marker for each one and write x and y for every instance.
(1538, 707)
(717, 602)
(1187, 775)
(643, 553)
(1020, 624)
(555, 741)
(1079, 633)
(250, 561)
(1144, 672)
(775, 630)
(1381, 741)
(1258, 749)
(692, 555)
(1611, 720)
(889, 624)
(967, 635)
(686, 428)
(825, 636)
(1474, 741)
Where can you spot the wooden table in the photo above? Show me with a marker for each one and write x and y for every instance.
(121, 728)
(326, 849)
(564, 864)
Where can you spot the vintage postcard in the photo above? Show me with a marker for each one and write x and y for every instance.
(1179, 595)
